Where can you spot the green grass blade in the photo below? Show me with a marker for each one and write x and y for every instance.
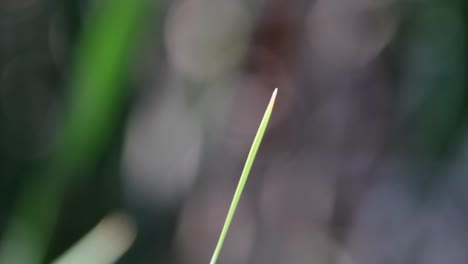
(244, 176)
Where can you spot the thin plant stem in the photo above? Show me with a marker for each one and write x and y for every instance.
(245, 174)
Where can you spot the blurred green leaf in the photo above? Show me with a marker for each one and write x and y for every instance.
(97, 93)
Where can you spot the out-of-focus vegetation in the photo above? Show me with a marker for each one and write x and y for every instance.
(148, 108)
(94, 102)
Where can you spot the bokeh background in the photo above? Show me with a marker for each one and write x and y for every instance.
(149, 107)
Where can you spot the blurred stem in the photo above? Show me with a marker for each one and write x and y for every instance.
(243, 178)
(104, 244)
(97, 94)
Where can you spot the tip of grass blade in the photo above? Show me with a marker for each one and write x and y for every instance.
(273, 99)
(244, 175)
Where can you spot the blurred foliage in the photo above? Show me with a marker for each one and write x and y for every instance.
(95, 100)
(434, 87)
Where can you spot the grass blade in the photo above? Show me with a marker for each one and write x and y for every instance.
(243, 179)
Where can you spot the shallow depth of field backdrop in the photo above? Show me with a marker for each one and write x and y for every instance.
(148, 108)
